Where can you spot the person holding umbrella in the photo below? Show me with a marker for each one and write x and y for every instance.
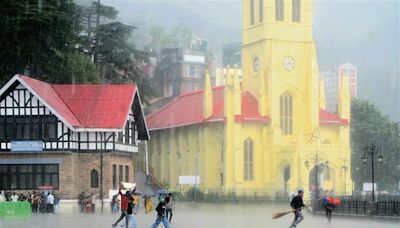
(124, 205)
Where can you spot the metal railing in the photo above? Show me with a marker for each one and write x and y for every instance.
(361, 205)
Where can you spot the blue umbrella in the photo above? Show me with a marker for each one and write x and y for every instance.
(161, 191)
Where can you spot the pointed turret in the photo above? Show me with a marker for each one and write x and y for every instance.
(228, 92)
(228, 76)
(236, 92)
(322, 99)
(208, 97)
(344, 98)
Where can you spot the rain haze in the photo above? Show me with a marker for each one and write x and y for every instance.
(359, 32)
(200, 113)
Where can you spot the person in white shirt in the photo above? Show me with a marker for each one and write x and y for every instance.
(14, 197)
(2, 196)
(50, 203)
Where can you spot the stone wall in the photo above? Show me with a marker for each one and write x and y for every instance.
(75, 170)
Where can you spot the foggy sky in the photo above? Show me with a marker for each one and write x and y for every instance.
(365, 33)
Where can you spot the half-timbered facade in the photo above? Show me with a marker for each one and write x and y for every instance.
(68, 136)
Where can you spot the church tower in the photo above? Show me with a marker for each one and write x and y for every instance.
(277, 42)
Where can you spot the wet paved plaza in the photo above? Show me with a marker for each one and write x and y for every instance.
(189, 215)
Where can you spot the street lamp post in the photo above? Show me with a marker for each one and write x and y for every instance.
(372, 150)
(344, 174)
(196, 176)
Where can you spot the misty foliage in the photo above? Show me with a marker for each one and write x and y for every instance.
(61, 42)
(179, 36)
(368, 125)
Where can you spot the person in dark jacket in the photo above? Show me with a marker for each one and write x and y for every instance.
(161, 214)
(329, 206)
(297, 204)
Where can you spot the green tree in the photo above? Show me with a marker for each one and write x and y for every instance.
(159, 38)
(107, 41)
(369, 125)
(181, 36)
(33, 33)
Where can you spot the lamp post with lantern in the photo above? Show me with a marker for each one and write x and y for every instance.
(369, 153)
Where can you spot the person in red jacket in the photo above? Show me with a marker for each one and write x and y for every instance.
(124, 206)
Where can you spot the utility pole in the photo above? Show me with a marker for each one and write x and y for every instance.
(197, 159)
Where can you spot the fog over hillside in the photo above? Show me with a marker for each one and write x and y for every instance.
(363, 32)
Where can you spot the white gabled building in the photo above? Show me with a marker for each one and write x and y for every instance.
(71, 137)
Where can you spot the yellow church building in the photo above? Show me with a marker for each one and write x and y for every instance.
(268, 133)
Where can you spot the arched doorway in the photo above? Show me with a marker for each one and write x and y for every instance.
(286, 178)
(322, 178)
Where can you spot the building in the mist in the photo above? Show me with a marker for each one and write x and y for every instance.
(231, 54)
(73, 138)
(179, 70)
(332, 77)
(268, 134)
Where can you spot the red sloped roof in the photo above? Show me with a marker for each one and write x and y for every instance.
(250, 111)
(327, 118)
(87, 106)
(187, 109)
(98, 106)
(47, 93)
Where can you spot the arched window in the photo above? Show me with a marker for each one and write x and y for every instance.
(286, 114)
(279, 10)
(94, 179)
(296, 10)
(286, 177)
(251, 12)
(248, 160)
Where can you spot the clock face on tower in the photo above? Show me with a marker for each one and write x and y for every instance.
(288, 63)
(256, 64)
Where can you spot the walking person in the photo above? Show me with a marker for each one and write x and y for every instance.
(114, 204)
(169, 205)
(161, 214)
(132, 213)
(50, 203)
(124, 206)
(93, 196)
(81, 202)
(297, 204)
(35, 202)
(135, 202)
(329, 204)
(56, 204)
(148, 203)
